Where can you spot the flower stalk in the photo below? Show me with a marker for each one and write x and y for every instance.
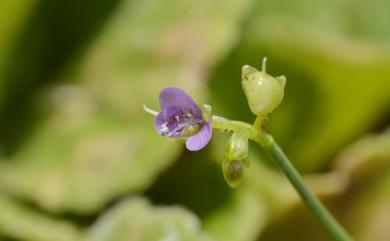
(312, 202)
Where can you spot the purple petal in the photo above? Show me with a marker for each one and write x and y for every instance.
(161, 122)
(201, 139)
(172, 98)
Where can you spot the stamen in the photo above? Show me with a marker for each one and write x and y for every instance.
(264, 65)
(150, 111)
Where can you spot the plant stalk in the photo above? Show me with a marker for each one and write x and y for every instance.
(325, 218)
(312, 202)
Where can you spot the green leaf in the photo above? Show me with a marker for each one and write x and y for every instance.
(136, 219)
(367, 166)
(18, 221)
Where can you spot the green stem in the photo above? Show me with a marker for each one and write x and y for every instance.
(312, 202)
(268, 143)
(221, 123)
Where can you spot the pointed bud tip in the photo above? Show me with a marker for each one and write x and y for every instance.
(247, 70)
(282, 80)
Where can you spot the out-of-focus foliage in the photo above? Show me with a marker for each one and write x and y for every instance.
(76, 146)
(95, 142)
(137, 220)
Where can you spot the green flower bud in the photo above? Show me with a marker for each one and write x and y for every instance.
(233, 171)
(236, 158)
(237, 148)
(264, 92)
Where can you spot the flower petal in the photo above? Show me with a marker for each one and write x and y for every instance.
(201, 139)
(161, 123)
(176, 98)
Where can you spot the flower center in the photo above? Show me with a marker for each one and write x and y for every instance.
(181, 124)
(190, 130)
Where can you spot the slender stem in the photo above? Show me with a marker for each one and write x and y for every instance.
(224, 124)
(268, 143)
(313, 203)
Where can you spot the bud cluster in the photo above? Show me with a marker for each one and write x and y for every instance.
(264, 93)
(236, 157)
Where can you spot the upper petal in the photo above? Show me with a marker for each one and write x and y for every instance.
(200, 139)
(176, 98)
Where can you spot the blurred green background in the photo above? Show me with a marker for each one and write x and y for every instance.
(81, 161)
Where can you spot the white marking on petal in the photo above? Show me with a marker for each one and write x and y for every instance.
(164, 127)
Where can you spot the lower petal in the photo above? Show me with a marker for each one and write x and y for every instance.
(201, 139)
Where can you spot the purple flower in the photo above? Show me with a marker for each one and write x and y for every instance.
(180, 117)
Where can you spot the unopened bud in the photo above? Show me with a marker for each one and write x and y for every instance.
(233, 171)
(264, 92)
(236, 157)
(237, 148)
